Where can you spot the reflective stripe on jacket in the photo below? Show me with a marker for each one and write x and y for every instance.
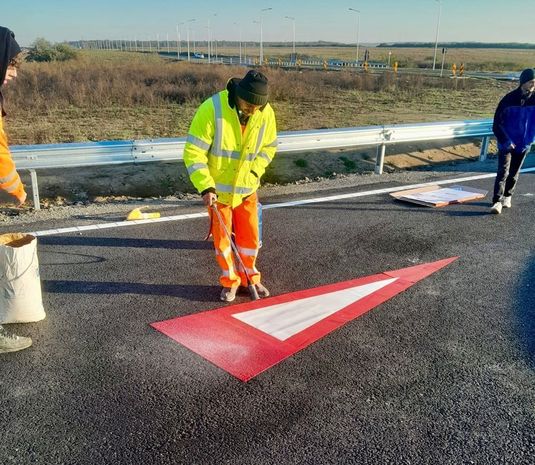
(9, 178)
(218, 156)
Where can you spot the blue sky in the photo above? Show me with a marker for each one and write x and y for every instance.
(380, 20)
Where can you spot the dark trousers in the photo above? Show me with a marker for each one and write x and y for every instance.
(509, 164)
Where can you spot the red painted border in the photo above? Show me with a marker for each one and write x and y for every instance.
(245, 351)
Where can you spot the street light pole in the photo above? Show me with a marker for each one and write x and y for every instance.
(438, 27)
(358, 32)
(178, 40)
(261, 34)
(252, 45)
(211, 39)
(187, 31)
(239, 27)
(293, 24)
(208, 43)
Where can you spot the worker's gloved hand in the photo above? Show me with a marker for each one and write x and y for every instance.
(22, 199)
(209, 199)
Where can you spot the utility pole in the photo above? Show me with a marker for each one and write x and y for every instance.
(178, 41)
(293, 24)
(444, 51)
(261, 34)
(358, 32)
(187, 30)
(438, 27)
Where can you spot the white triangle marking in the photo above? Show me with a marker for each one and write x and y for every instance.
(284, 320)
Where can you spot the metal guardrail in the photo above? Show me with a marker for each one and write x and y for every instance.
(73, 155)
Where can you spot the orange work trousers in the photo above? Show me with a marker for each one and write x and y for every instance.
(243, 222)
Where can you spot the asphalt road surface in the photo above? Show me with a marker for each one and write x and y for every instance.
(442, 373)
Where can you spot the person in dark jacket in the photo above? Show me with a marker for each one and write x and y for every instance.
(514, 128)
(9, 179)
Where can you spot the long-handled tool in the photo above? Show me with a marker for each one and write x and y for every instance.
(251, 287)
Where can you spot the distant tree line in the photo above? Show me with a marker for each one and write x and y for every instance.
(509, 45)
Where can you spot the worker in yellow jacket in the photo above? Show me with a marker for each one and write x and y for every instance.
(9, 179)
(231, 141)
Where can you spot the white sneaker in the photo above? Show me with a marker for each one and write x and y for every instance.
(506, 202)
(228, 294)
(496, 208)
(262, 290)
(10, 342)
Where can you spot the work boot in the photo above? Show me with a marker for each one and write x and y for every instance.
(262, 290)
(228, 294)
(10, 342)
(506, 202)
(496, 208)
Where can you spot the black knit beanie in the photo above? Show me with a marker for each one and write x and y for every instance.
(9, 49)
(253, 88)
(527, 75)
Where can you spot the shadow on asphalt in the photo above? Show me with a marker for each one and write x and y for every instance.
(189, 292)
(125, 242)
(471, 165)
(526, 306)
(403, 207)
(75, 259)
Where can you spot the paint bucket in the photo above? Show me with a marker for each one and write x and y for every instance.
(21, 300)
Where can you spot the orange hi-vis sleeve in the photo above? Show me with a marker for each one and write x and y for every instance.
(9, 178)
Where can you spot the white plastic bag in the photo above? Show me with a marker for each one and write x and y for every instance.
(21, 300)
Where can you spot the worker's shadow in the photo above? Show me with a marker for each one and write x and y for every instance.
(88, 241)
(188, 292)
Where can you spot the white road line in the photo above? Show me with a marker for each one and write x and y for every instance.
(293, 203)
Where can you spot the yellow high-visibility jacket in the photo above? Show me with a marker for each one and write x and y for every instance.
(218, 156)
(9, 178)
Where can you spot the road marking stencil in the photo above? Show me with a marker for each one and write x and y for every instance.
(247, 339)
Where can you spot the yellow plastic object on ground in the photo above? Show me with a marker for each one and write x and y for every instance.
(137, 214)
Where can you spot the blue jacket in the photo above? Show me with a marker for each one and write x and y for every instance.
(514, 121)
(519, 124)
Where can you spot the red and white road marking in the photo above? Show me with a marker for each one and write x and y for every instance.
(282, 321)
(246, 339)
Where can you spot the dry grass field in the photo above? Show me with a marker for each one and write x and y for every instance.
(119, 95)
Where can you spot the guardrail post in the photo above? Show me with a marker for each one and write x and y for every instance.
(484, 148)
(35, 190)
(380, 159)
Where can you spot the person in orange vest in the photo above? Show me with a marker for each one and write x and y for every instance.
(10, 182)
(231, 141)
